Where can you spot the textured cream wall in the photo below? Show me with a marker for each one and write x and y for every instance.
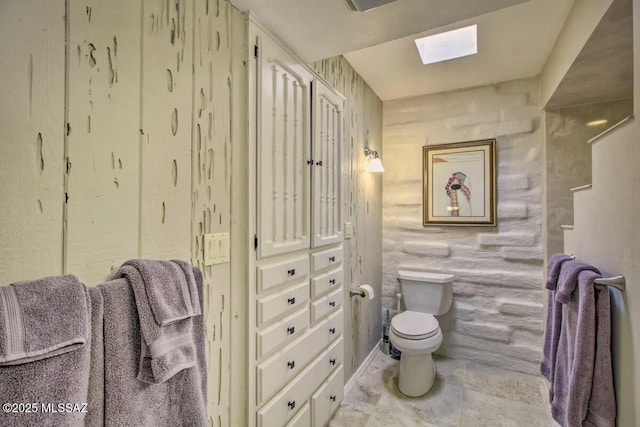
(582, 20)
(122, 149)
(497, 313)
(606, 235)
(32, 110)
(568, 160)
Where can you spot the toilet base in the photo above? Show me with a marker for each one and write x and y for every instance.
(417, 374)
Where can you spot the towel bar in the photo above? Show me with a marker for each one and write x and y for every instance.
(617, 282)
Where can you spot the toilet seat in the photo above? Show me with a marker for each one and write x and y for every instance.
(413, 325)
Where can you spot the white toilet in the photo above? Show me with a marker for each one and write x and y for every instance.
(416, 332)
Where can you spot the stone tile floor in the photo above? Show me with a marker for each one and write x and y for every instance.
(464, 394)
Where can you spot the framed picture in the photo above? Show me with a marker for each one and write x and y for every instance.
(459, 183)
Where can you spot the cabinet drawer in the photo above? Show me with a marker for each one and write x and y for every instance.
(327, 398)
(335, 325)
(326, 281)
(303, 418)
(282, 302)
(326, 305)
(280, 368)
(332, 358)
(287, 403)
(272, 275)
(282, 331)
(323, 259)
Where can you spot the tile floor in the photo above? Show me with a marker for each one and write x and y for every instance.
(464, 394)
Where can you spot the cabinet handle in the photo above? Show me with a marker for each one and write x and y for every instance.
(291, 330)
(332, 281)
(332, 397)
(291, 404)
(332, 331)
(319, 163)
(332, 361)
(291, 301)
(332, 259)
(291, 364)
(332, 304)
(291, 272)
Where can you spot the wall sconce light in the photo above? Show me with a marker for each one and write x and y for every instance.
(374, 164)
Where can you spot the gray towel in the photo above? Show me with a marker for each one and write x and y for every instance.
(554, 316)
(582, 385)
(169, 287)
(166, 301)
(178, 401)
(95, 417)
(45, 348)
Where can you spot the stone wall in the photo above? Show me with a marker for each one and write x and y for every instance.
(497, 313)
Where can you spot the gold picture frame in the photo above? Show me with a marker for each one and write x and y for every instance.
(459, 184)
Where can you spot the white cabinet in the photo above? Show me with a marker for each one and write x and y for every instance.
(295, 302)
(284, 135)
(327, 138)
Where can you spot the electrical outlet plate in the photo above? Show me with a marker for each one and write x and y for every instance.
(216, 248)
(348, 230)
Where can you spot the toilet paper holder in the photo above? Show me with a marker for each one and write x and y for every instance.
(363, 291)
(354, 293)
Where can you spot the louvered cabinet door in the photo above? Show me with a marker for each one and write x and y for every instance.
(284, 139)
(326, 186)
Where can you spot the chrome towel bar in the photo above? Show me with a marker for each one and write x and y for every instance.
(617, 282)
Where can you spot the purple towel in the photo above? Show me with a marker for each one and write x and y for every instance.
(554, 316)
(555, 263)
(568, 280)
(566, 269)
(582, 391)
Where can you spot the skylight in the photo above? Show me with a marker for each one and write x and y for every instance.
(448, 45)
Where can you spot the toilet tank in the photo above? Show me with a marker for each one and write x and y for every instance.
(426, 292)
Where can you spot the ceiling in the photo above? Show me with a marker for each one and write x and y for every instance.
(603, 70)
(514, 38)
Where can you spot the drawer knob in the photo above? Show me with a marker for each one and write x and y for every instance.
(332, 397)
(291, 301)
(332, 303)
(291, 272)
(332, 331)
(332, 259)
(332, 281)
(332, 362)
(291, 404)
(291, 330)
(291, 364)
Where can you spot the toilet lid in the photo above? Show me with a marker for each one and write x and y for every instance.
(413, 325)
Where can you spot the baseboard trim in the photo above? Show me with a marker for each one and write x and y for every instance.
(352, 381)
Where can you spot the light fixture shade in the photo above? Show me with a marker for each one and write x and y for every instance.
(375, 165)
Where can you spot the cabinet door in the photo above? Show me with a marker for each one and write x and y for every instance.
(327, 143)
(284, 139)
